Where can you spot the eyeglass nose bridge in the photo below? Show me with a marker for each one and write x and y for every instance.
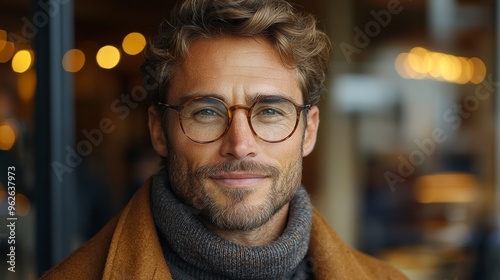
(236, 107)
(230, 113)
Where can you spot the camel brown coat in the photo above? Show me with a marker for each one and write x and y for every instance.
(128, 248)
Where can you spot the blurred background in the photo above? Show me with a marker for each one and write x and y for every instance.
(406, 168)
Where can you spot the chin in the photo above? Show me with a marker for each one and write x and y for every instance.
(240, 211)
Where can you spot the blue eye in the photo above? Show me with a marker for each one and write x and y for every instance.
(268, 112)
(206, 112)
(207, 115)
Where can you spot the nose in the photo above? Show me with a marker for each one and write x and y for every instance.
(239, 141)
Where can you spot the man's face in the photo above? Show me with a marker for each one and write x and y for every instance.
(239, 181)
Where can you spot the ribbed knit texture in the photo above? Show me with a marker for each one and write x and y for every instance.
(194, 252)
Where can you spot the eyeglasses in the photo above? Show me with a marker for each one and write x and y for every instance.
(207, 119)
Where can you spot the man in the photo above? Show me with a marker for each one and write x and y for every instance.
(233, 114)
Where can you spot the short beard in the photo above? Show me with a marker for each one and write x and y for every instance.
(236, 213)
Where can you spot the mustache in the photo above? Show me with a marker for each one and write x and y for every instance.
(210, 170)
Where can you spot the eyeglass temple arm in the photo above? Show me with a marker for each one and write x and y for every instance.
(177, 108)
(305, 107)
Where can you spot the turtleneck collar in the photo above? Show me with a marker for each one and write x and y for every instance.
(194, 252)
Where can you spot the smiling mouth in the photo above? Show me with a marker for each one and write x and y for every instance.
(239, 180)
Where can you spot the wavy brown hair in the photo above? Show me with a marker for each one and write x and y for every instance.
(293, 34)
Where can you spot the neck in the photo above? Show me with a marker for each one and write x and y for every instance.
(265, 234)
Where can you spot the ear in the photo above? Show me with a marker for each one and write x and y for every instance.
(311, 131)
(156, 132)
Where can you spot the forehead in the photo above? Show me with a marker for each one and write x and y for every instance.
(235, 69)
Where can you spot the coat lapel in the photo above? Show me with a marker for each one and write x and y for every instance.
(135, 251)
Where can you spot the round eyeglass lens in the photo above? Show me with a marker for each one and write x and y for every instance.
(204, 119)
(274, 119)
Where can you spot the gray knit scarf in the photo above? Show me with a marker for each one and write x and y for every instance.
(193, 252)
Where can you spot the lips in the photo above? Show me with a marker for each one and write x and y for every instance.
(239, 180)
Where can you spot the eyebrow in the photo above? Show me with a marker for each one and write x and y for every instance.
(250, 99)
(271, 95)
(192, 95)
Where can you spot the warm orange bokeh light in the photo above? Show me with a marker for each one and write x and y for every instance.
(420, 63)
(22, 61)
(133, 43)
(108, 57)
(446, 188)
(7, 51)
(26, 85)
(73, 60)
(7, 136)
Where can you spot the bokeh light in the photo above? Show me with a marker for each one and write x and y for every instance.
(7, 51)
(133, 43)
(3, 39)
(466, 73)
(73, 60)
(417, 59)
(23, 205)
(22, 61)
(449, 67)
(434, 69)
(411, 66)
(479, 72)
(421, 63)
(446, 188)
(399, 64)
(7, 136)
(26, 85)
(108, 57)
